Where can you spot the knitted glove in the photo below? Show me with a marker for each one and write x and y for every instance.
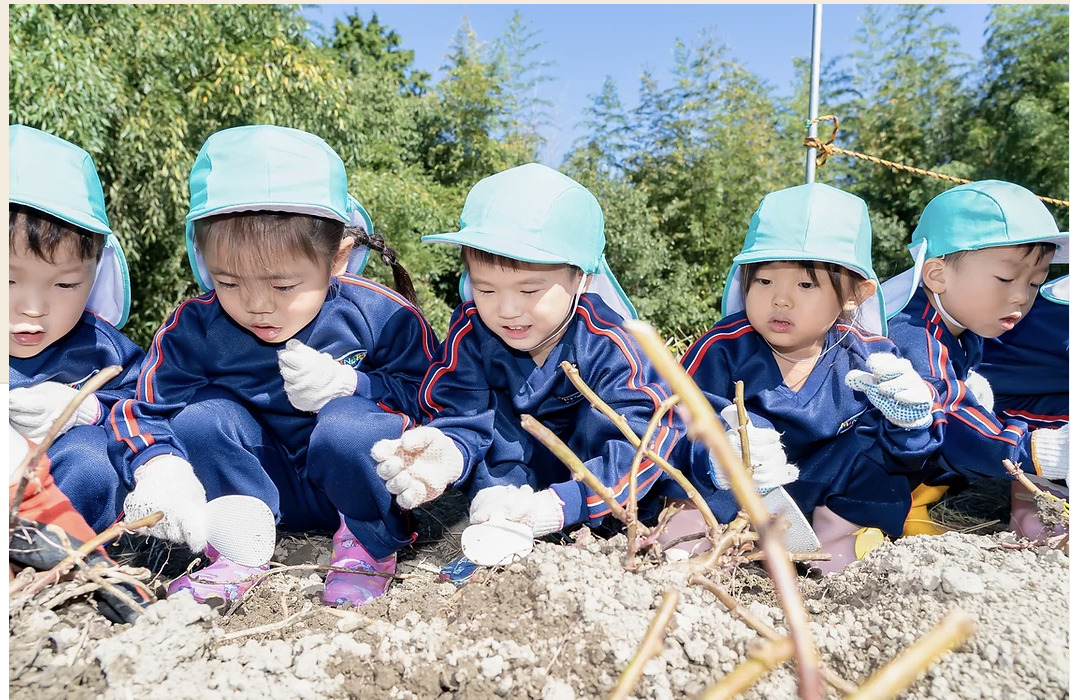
(167, 483)
(33, 409)
(896, 389)
(1051, 452)
(768, 459)
(542, 511)
(981, 390)
(418, 467)
(312, 378)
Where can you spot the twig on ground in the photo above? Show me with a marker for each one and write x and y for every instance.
(733, 606)
(1017, 472)
(27, 469)
(899, 673)
(651, 646)
(744, 441)
(271, 627)
(704, 425)
(764, 657)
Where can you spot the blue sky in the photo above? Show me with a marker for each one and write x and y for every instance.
(587, 43)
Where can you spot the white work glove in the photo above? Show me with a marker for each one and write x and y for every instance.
(896, 389)
(981, 390)
(33, 409)
(167, 483)
(418, 467)
(542, 511)
(1051, 452)
(312, 378)
(768, 460)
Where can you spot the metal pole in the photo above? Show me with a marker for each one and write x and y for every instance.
(815, 78)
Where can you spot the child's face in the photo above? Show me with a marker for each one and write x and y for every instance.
(524, 307)
(272, 305)
(45, 299)
(789, 310)
(988, 291)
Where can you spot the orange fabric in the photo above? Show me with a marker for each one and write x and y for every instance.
(45, 503)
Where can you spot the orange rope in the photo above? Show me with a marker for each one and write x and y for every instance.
(825, 149)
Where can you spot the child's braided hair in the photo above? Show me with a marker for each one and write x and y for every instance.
(375, 241)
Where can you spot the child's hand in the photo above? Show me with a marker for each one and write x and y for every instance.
(896, 389)
(33, 409)
(1051, 452)
(312, 378)
(418, 467)
(981, 390)
(167, 483)
(767, 456)
(542, 511)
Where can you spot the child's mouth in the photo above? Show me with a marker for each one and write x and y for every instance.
(267, 333)
(29, 337)
(517, 332)
(780, 325)
(1008, 322)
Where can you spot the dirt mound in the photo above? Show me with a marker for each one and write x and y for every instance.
(561, 624)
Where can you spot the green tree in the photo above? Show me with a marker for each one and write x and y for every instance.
(1019, 120)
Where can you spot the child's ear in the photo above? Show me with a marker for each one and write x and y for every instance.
(865, 290)
(933, 275)
(341, 258)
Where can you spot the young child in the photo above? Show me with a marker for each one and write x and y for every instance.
(1028, 367)
(1028, 370)
(68, 295)
(837, 415)
(539, 292)
(276, 383)
(982, 251)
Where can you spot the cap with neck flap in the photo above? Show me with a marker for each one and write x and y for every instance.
(270, 169)
(535, 214)
(52, 175)
(813, 222)
(974, 216)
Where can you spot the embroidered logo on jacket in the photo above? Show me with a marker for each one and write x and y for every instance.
(353, 358)
(849, 423)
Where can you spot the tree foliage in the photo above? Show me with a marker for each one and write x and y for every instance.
(678, 174)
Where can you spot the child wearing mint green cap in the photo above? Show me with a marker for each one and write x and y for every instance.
(981, 251)
(276, 382)
(538, 292)
(68, 296)
(838, 416)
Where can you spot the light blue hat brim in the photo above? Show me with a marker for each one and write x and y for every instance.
(1058, 290)
(603, 283)
(358, 257)
(869, 316)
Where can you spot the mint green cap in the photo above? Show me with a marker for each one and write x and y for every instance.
(812, 222)
(269, 168)
(54, 176)
(535, 214)
(977, 215)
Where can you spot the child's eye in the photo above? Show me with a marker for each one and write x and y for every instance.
(762, 281)
(284, 287)
(484, 292)
(806, 285)
(68, 285)
(226, 285)
(529, 291)
(1004, 281)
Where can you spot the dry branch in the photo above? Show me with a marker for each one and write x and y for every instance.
(765, 657)
(704, 425)
(575, 464)
(675, 474)
(632, 509)
(901, 671)
(651, 646)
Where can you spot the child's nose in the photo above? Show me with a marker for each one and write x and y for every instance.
(258, 301)
(28, 303)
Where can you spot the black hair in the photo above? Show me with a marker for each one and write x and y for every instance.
(45, 234)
